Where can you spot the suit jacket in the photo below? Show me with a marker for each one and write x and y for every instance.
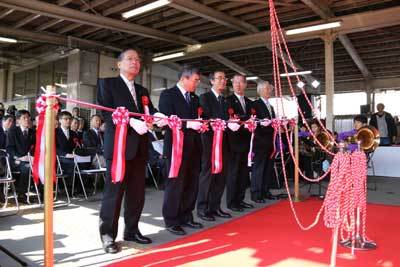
(63, 145)
(17, 145)
(113, 93)
(94, 140)
(3, 136)
(172, 102)
(239, 141)
(263, 138)
(212, 109)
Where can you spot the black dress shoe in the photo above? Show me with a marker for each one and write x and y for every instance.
(138, 238)
(237, 209)
(220, 213)
(270, 196)
(193, 224)
(176, 230)
(110, 247)
(258, 200)
(206, 216)
(246, 205)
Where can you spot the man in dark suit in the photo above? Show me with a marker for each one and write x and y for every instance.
(211, 186)
(238, 178)
(261, 176)
(181, 192)
(65, 144)
(93, 137)
(115, 92)
(19, 142)
(7, 123)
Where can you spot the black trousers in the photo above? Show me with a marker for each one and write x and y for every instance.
(21, 179)
(180, 193)
(211, 186)
(131, 191)
(261, 175)
(238, 179)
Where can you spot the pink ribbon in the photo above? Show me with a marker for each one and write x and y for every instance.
(177, 145)
(218, 127)
(145, 103)
(121, 119)
(251, 125)
(276, 124)
(38, 168)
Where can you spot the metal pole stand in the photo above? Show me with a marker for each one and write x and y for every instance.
(359, 243)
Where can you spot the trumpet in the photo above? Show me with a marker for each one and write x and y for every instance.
(368, 138)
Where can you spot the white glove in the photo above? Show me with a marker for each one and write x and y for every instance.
(265, 123)
(233, 126)
(139, 126)
(161, 121)
(195, 125)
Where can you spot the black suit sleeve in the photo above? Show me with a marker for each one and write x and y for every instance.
(11, 145)
(165, 104)
(87, 140)
(204, 103)
(105, 98)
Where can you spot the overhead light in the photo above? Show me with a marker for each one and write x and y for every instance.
(300, 84)
(158, 89)
(7, 40)
(318, 27)
(296, 73)
(18, 95)
(145, 8)
(251, 78)
(169, 56)
(315, 83)
(62, 85)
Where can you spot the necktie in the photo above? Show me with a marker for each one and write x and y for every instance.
(66, 134)
(133, 92)
(221, 106)
(25, 133)
(243, 103)
(187, 97)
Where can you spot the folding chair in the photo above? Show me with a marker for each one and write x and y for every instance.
(278, 168)
(370, 165)
(30, 180)
(150, 171)
(87, 156)
(8, 182)
(60, 175)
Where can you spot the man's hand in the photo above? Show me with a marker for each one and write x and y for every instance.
(195, 125)
(70, 156)
(139, 126)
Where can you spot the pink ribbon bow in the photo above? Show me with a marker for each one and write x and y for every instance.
(175, 124)
(120, 118)
(218, 127)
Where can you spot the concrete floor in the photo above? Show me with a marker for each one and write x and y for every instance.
(76, 238)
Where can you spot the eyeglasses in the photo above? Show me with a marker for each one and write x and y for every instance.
(220, 78)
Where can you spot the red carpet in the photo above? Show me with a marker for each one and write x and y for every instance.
(271, 237)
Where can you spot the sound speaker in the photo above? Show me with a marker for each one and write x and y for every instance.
(365, 109)
(305, 108)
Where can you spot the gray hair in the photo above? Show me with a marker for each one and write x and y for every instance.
(262, 84)
(188, 71)
(122, 54)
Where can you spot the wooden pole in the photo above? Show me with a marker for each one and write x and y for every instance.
(48, 185)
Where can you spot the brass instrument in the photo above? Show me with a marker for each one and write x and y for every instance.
(325, 140)
(368, 137)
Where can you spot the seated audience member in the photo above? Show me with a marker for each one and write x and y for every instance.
(7, 123)
(359, 121)
(75, 128)
(155, 159)
(19, 143)
(81, 128)
(93, 137)
(65, 143)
